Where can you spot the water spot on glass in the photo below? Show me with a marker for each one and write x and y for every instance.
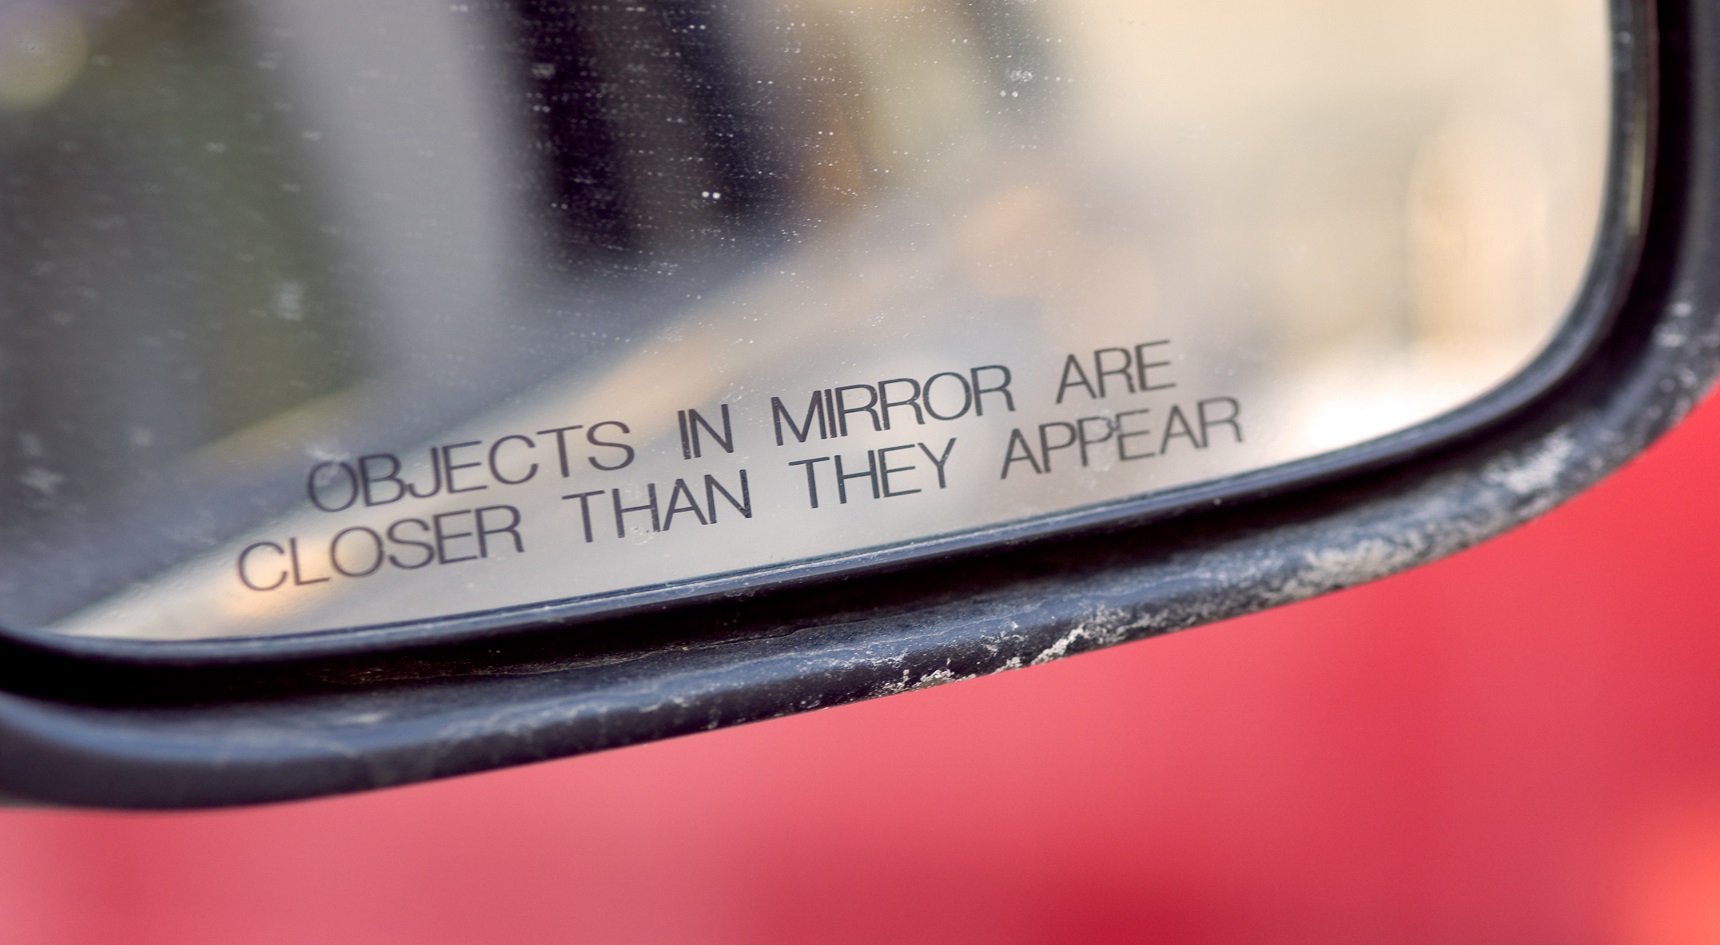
(42, 480)
(289, 300)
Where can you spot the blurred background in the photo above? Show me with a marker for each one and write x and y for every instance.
(1517, 744)
(239, 240)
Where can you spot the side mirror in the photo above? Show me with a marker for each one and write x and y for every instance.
(399, 393)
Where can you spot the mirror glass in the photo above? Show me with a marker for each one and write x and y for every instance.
(318, 315)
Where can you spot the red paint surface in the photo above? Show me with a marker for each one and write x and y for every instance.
(1519, 744)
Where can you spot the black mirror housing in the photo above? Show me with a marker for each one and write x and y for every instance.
(124, 724)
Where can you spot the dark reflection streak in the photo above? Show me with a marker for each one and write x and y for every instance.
(647, 143)
(1015, 52)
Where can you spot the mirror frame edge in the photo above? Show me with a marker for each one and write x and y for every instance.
(187, 730)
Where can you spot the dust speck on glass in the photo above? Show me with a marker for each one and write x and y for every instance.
(318, 315)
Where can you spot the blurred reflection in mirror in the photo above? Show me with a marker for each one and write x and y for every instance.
(315, 316)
